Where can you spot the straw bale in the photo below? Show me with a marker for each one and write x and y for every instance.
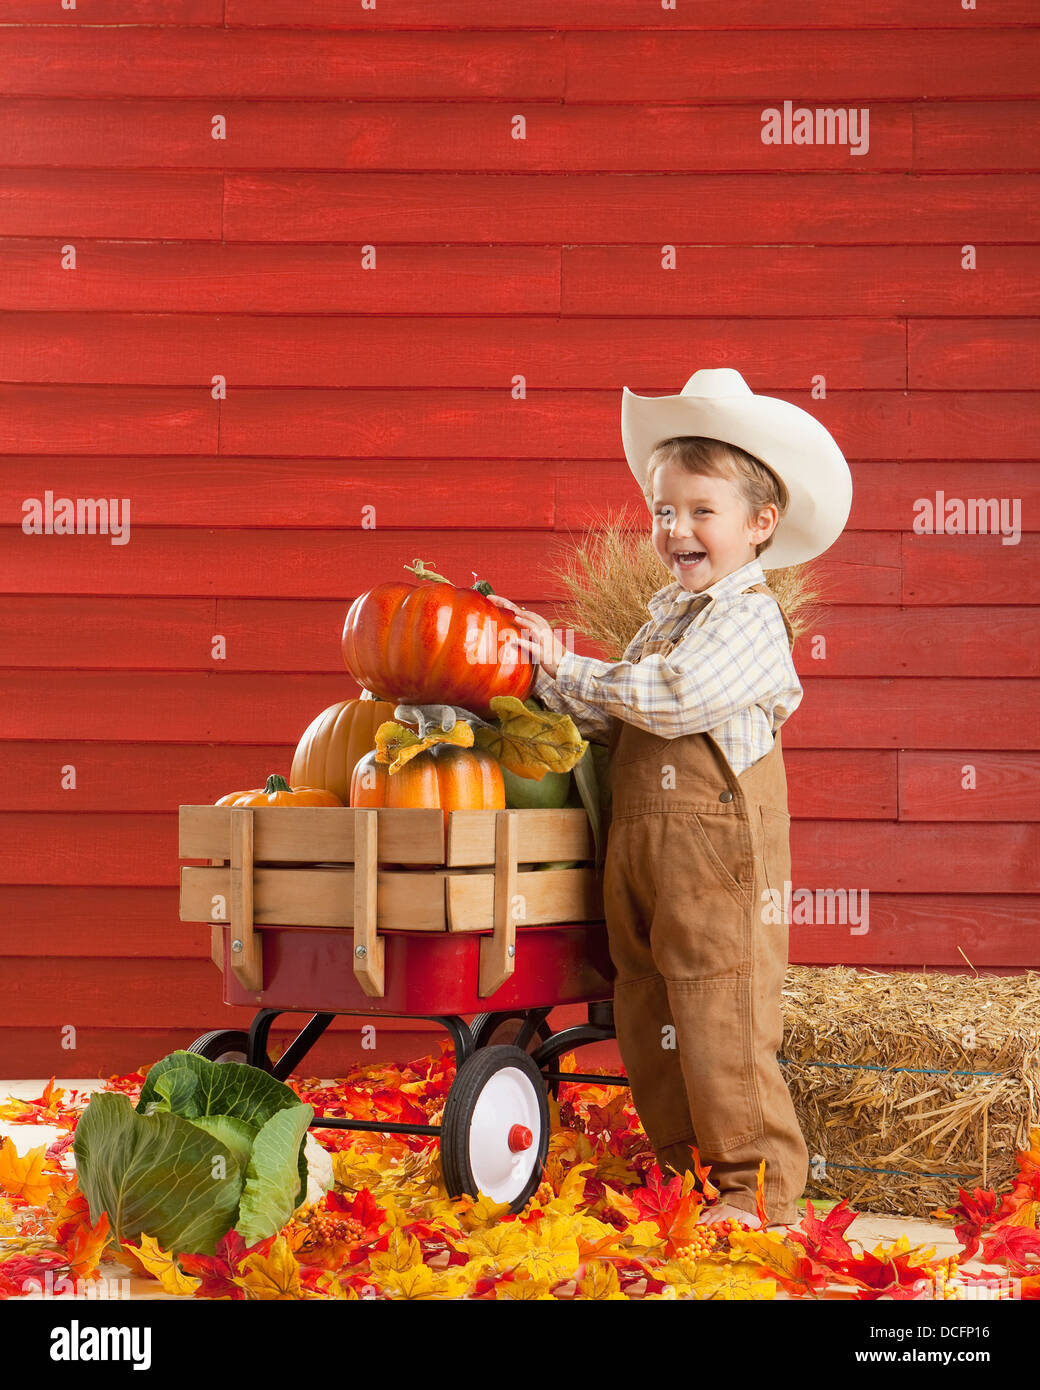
(909, 1085)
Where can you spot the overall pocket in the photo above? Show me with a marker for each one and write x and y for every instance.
(776, 852)
(726, 842)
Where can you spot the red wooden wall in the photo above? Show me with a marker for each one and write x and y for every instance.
(241, 259)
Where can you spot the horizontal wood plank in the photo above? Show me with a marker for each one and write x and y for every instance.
(303, 636)
(437, 351)
(969, 786)
(861, 567)
(456, 424)
(88, 849)
(450, 495)
(966, 354)
(465, 136)
(523, 14)
(141, 924)
(121, 776)
(959, 136)
(215, 62)
(160, 276)
(837, 712)
(819, 278)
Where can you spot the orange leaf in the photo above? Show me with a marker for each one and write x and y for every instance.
(24, 1177)
(86, 1248)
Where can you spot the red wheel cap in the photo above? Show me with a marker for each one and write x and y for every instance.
(520, 1137)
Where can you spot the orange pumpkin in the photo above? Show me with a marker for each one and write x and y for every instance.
(278, 792)
(333, 742)
(445, 776)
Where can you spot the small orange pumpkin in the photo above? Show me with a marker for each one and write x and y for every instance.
(334, 741)
(444, 776)
(277, 792)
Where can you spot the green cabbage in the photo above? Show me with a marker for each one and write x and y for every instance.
(210, 1146)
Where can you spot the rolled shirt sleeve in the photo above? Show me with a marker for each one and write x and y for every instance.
(740, 659)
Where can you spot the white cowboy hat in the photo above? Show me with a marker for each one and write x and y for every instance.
(717, 403)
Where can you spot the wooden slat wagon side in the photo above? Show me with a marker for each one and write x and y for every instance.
(415, 913)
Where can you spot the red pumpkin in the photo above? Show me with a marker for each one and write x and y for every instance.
(432, 643)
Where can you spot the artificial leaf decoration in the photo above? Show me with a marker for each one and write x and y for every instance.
(529, 740)
(396, 744)
(162, 1265)
(24, 1176)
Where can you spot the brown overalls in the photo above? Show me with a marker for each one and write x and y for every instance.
(697, 1005)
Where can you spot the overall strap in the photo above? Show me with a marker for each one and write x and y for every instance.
(765, 589)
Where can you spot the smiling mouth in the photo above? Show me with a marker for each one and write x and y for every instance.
(688, 558)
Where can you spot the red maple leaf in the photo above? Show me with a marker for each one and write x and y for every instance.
(1011, 1245)
(655, 1197)
(825, 1240)
(217, 1271)
(978, 1211)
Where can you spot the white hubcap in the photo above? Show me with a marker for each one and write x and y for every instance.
(508, 1099)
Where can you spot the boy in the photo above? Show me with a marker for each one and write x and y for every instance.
(698, 850)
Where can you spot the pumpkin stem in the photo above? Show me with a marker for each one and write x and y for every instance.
(418, 568)
(276, 783)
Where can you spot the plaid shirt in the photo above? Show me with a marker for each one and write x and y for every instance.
(715, 662)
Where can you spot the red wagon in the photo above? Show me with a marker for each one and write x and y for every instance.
(414, 913)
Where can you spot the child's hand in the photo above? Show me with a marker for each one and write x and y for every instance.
(537, 638)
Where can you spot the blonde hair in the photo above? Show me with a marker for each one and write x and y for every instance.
(756, 484)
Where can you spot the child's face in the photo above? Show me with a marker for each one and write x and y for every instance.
(694, 512)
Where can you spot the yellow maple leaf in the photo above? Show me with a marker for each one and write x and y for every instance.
(24, 1176)
(552, 1251)
(502, 1244)
(271, 1277)
(617, 1201)
(600, 1282)
(420, 1282)
(729, 1283)
(397, 745)
(162, 1265)
(769, 1249)
(403, 1252)
(525, 1291)
(481, 1211)
(572, 1189)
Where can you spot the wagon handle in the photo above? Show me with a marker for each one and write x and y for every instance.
(498, 951)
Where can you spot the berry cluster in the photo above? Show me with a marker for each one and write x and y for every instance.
(328, 1227)
(710, 1237)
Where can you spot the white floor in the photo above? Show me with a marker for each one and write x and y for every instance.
(867, 1230)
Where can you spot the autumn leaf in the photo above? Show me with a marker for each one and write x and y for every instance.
(795, 1271)
(24, 1176)
(396, 744)
(825, 1240)
(1015, 1247)
(529, 740)
(218, 1271)
(979, 1211)
(161, 1265)
(271, 1277)
(402, 1252)
(86, 1248)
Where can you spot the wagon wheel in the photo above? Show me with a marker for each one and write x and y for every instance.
(505, 1027)
(223, 1045)
(495, 1127)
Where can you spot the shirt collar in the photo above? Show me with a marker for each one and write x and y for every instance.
(674, 595)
